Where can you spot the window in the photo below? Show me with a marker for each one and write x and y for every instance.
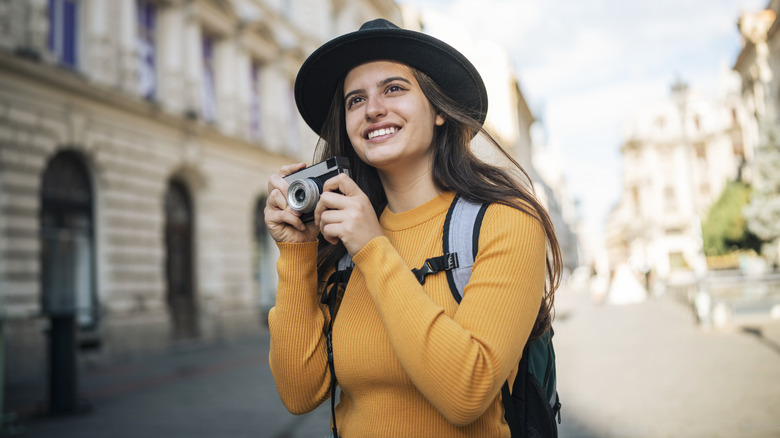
(677, 261)
(701, 150)
(147, 78)
(660, 122)
(635, 198)
(670, 198)
(738, 148)
(67, 251)
(63, 37)
(207, 88)
(255, 119)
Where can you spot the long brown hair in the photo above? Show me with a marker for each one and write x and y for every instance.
(455, 168)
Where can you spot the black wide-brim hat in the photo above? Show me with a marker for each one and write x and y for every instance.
(382, 40)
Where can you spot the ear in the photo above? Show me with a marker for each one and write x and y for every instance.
(439, 120)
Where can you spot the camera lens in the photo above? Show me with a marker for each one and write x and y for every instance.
(303, 194)
(300, 195)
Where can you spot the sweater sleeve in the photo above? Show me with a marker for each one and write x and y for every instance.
(460, 363)
(298, 354)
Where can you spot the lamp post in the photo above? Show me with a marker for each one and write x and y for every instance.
(702, 300)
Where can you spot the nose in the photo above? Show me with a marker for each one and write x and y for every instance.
(375, 108)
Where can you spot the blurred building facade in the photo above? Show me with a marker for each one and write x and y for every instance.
(678, 157)
(136, 140)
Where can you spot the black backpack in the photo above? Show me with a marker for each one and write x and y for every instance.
(532, 405)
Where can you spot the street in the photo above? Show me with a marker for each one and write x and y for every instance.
(634, 370)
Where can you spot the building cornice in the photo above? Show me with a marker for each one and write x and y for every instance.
(75, 84)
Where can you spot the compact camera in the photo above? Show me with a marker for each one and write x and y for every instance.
(306, 184)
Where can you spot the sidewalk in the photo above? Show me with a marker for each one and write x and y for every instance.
(645, 370)
(639, 370)
(207, 391)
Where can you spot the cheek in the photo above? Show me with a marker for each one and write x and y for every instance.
(353, 127)
(355, 137)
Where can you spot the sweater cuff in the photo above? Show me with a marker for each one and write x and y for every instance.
(375, 247)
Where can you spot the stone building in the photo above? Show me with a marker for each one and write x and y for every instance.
(677, 158)
(136, 140)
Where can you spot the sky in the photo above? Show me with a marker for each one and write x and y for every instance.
(586, 66)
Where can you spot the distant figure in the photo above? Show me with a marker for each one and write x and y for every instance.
(625, 288)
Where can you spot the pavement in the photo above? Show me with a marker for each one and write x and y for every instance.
(632, 370)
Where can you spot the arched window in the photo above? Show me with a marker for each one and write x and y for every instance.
(67, 250)
(180, 292)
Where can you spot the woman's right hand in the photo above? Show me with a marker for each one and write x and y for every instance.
(283, 223)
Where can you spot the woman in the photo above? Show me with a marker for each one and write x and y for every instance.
(402, 107)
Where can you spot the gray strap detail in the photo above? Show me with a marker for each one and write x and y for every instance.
(345, 262)
(461, 240)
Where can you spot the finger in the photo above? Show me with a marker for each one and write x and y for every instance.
(330, 232)
(277, 181)
(342, 183)
(330, 201)
(291, 168)
(277, 204)
(279, 219)
(277, 200)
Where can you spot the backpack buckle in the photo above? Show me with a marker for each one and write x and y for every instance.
(423, 271)
(444, 262)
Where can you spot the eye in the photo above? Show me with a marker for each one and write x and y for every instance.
(353, 100)
(394, 88)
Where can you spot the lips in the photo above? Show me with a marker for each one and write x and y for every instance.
(381, 132)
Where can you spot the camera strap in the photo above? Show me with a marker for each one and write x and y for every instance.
(337, 280)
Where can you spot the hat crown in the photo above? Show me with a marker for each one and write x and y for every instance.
(380, 39)
(379, 23)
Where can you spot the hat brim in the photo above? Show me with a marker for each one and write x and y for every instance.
(321, 72)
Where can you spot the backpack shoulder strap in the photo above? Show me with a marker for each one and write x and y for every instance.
(345, 262)
(461, 237)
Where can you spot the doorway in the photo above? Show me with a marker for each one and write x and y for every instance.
(68, 295)
(180, 293)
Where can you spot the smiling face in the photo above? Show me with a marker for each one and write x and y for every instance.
(389, 121)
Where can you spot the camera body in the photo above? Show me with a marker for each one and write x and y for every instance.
(306, 184)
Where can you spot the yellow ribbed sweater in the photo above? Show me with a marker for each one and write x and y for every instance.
(410, 361)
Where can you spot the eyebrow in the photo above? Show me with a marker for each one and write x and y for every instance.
(379, 84)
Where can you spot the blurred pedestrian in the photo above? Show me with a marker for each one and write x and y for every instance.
(403, 107)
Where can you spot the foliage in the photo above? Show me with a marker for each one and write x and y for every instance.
(763, 212)
(725, 228)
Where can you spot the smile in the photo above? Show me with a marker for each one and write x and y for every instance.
(380, 132)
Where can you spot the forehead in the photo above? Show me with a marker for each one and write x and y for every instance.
(375, 71)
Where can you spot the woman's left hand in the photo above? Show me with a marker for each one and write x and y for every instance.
(347, 216)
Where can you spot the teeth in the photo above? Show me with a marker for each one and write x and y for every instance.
(378, 132)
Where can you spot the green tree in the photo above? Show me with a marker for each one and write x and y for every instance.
(763, 212)
(725, 227)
